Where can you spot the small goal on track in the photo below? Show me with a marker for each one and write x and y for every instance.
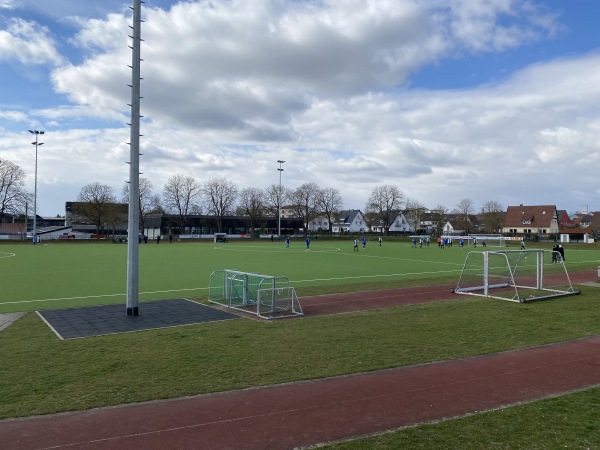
(515, 275)
(268, 297)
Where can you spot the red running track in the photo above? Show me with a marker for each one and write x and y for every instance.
(308, 413)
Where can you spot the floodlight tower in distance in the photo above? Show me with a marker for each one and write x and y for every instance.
(37, 144)
(279, 201)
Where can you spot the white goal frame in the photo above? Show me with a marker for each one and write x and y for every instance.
(515, 275)
(490, 240)
(264, 295)
(278, 302)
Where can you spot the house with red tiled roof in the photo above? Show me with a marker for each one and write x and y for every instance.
(564, 220)
(526, 220)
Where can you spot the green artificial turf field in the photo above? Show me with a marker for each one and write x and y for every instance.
(41, 374)
(56, 275)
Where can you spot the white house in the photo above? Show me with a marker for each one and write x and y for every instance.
(349, 221)
(400, 224)
(319, 223)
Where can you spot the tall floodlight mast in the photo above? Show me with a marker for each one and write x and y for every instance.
(133, 226)
(279, 201)
(37, 144)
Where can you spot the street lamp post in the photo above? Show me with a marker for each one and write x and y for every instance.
(279, 201)
(37, 144)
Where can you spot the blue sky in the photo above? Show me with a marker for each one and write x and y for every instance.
(446, 99)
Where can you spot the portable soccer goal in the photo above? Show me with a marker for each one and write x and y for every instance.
(491, 240)
(515, 275)
(268, 297)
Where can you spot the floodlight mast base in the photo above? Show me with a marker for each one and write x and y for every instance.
(133, 226)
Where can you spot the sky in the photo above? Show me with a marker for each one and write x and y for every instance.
(489, 100)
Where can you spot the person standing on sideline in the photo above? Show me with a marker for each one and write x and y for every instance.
(170, 238)
(287, 242)
(355, 246)
(522, 244)
(158, 239)
(555, 253)
(307, 243)
(561, 250)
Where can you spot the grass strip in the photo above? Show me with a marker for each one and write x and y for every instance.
(40, 374)
(569, 421)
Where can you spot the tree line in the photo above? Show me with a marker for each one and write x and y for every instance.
(183, 196)
(219, 197)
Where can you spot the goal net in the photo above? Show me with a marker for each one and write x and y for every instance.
(253, 293)
(487, 240)
(515, 275)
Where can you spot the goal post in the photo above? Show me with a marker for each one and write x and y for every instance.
(254, 293)
(515, 275)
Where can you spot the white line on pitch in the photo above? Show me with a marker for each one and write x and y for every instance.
(97, 296)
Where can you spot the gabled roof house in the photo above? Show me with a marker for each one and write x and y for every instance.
(349, 221)
(399, 225)
(521, 219)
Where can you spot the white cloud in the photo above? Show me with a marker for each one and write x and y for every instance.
(230, 87)
(28, 43)
(8, 4)
(498, 25)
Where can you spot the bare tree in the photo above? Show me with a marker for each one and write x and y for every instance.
(179, 196)
(329, 202)
(275, 198)
(413, 211)
(12, 189)
(466, 207)
(252, 204)
(304, 200)
(386, 201)
(371, 217)
(219, 196)
(149, 202)
(438, 215)
(493, 216)
(98, 205)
